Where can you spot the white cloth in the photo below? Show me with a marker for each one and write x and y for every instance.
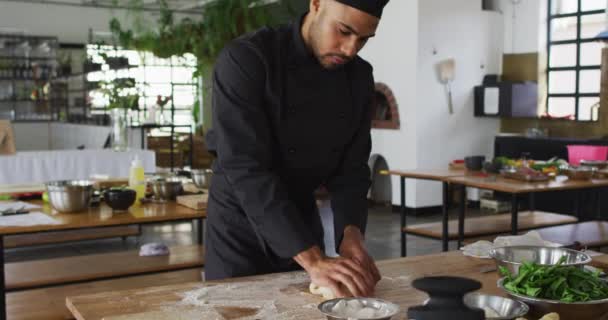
(26, 220)
(153, 249)
(43, 166)
(481, 249)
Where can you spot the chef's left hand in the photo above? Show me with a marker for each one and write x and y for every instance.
(353, 247)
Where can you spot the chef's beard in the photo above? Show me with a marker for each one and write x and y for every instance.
(315, 35)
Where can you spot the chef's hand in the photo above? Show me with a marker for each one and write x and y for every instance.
(342, 275)
(353, 247)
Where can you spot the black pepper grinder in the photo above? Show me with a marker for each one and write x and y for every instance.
(445, 299)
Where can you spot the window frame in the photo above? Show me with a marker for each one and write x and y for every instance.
(577, 68)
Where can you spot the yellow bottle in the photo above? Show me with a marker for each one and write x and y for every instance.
(137, 180)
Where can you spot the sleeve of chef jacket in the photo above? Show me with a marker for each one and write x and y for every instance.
(245, 146)
(349, 186)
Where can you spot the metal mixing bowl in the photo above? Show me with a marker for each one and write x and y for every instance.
(202, 178)
(580, 173)
(167, 189)
(390, 308)
(70, 195)
(507, 308)
(513, 257)
(591, 310)
(595, 163)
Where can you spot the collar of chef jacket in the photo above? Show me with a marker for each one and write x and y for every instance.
(299, 54)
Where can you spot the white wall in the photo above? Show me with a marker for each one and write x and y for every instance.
(522, 22)
(70, 23)
(402, 56)
(456, 29)
(393, 54)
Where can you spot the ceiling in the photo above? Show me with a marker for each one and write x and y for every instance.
(185, 6)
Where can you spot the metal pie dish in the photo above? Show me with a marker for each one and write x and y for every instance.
(506, 308)
(389, 309)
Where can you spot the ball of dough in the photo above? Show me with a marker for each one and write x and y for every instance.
(551, 316)
(366, 313)
(327, 293)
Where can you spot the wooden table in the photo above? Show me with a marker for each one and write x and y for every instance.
(516, 189)
(102, 216)
(501, 224)
(291, 298)
(440, 175)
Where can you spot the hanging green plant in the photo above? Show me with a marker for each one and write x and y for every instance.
(120, 93)
(220, 21)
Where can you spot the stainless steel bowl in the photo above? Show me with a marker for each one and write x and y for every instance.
(591, 310)
(507, 308)
(595, 163)
(580, 173)
(389, 308)
(70, 195)
(202, 178)
(167, 189)
(513, 257)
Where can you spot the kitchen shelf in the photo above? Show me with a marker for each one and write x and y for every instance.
(41, 68)
(29, 58)
(25, 79)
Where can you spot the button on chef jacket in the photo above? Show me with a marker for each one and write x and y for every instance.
(282, 127)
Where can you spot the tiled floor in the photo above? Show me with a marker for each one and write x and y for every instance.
(382, 239)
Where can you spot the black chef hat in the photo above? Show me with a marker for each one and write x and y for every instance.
(373, 7)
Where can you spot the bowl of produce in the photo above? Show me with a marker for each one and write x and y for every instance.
(512, 258)
(119, 199)
(524, 174)
(70, 195)
(579, 173)
(495, 307)
(573, 293)
(549, 168)
(358, 309)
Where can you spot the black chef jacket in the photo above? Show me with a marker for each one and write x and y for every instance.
(283, 126)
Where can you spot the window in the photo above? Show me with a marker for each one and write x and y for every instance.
(574, 58)
(153, 76)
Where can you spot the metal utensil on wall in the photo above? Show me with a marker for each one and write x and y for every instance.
(446, 70)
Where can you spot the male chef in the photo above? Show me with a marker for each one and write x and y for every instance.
(292, 112)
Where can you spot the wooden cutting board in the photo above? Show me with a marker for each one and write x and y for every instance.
(110, 183)
(194, 201)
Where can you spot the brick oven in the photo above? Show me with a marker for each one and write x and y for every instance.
(385, 111)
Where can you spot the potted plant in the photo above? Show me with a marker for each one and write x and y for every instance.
(122, 96)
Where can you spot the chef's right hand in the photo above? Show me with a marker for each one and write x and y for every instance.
(343, 276)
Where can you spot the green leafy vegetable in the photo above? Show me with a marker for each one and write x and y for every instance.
(557, 282)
